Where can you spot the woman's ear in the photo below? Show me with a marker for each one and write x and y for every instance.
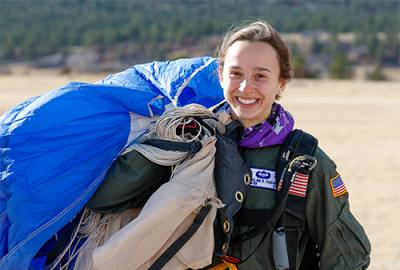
(282, 85)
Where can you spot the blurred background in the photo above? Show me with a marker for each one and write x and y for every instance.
(346, 56)
(329, 38)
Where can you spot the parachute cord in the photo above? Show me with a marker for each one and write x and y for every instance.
(89, 224)
(66, 249)
(168, 123)
(166, 128)
(160, 156)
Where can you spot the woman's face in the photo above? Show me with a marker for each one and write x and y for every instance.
(250, 79)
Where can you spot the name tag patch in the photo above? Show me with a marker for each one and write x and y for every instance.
(262, 178)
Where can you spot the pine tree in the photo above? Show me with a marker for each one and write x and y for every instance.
(341, 68)
(377, 74)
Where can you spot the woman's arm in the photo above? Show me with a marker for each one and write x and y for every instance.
(341, 240)
(128, 184)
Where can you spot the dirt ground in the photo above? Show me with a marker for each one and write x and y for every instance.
(357, 124)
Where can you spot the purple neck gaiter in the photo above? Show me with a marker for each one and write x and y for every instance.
(271, 131)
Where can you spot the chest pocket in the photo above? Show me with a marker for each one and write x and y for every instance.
(259, 198)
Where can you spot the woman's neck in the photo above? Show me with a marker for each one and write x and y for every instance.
(246, 123)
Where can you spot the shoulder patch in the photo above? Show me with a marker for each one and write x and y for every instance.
(338, 186)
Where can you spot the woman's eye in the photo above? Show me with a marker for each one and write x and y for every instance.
(260, 76)
(234, 74)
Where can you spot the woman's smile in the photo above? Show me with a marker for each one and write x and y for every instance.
(246, 101)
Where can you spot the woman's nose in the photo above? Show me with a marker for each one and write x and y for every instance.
(245, 85)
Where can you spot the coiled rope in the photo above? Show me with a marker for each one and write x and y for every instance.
(166, 128)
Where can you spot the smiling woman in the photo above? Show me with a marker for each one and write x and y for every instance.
(254, 70)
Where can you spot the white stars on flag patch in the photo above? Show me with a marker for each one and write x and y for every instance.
(299, 185)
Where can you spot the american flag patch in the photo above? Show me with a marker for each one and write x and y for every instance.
(299, 185)
(338, 186)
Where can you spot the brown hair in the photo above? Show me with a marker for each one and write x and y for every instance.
(263, 32)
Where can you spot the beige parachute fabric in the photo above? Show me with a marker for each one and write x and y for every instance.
(166, 215)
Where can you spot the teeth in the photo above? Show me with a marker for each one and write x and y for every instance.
(247, 101)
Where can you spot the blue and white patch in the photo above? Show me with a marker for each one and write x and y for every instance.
(262, 178)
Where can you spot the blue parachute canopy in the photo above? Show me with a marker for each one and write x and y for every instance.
(55, 149)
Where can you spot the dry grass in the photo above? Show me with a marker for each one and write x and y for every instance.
(16, 88)
(357, 124)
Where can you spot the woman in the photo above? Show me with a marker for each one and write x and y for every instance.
(254, 68)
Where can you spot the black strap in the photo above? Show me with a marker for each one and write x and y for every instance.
(191, 147)
(306, 144)
(300, 143)
(181, 241)
(253, 217)
(311, 257)
(263, 228)
(286, 151)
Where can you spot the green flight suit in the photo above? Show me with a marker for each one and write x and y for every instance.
(342, 241)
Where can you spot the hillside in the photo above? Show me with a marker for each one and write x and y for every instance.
(112, 35)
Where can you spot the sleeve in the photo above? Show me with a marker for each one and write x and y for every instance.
(342, 241)
(129, 182)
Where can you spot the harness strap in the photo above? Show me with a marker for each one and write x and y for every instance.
(262, 229)
(181, 241)
(311, 257)
(191, 147)
(253, 217)
(302, 143)
(276, 217)
(298, 143)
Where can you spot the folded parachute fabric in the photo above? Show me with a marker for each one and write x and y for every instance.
(170, 211)
(55, 149)
(166, 215)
